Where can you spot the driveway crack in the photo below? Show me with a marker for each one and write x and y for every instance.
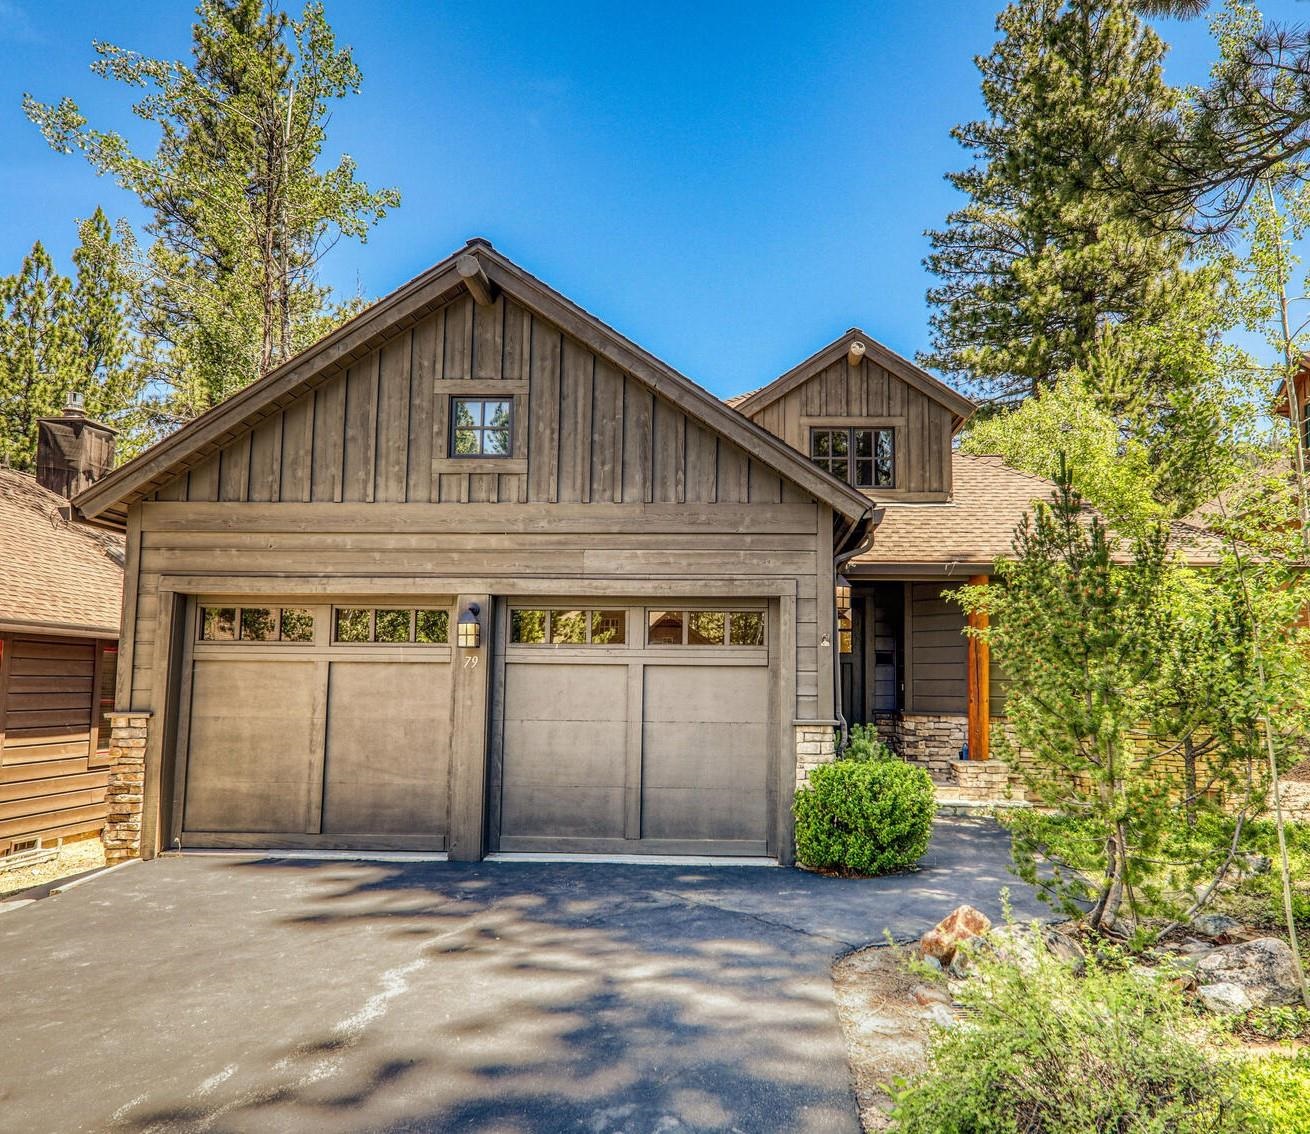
(762, 919)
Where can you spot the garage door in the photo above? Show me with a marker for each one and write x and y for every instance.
(635, 729)
(317, 726)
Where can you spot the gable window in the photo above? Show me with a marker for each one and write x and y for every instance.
(480, 427)
(862, 456)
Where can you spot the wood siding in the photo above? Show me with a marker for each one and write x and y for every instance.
(937, 651)
(871, 394)
(52, 780)
(379, 432)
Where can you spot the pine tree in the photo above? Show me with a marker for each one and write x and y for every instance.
(1043, 270)
(241, 211)
(60, 336)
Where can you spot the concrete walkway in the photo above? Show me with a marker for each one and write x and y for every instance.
(230, 994)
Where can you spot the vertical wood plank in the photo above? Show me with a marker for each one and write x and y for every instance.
(458, 339)
(668, 454)
(826, 613)
(544, 399)
(915, 459)
(295, 452)
(607, 433)
(488, 338)
(361, 430)
(574, 438)
(422, 376)
(202, 482)
(764, 485)
(702, 465)
(638, 410)
(512, 342)
(329, 439)
(265, 471)
(734, 475)
(907, 645)
(391, 440)
(318, 748)
(234, 469)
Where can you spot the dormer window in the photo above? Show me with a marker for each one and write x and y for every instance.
(864, 457)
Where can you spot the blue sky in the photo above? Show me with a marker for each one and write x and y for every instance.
(730, 190)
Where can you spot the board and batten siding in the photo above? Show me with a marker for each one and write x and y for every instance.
(868, 392)
(378, 432)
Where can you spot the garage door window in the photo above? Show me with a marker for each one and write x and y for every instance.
(269, 624)
(390, 626)
(705, 628)
(541, 627)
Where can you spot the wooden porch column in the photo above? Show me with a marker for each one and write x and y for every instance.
(979, 682)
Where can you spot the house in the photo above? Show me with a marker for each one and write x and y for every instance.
(60, 591)
(475, 573)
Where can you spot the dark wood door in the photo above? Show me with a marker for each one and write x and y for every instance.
(635, 747)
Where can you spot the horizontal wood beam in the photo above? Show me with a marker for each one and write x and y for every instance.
(473, 274)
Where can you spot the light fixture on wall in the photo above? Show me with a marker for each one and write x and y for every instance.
(842, 593)
(469, 629)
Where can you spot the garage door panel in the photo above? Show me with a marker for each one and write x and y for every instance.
(702, 813)
(567, 692)
(718, 694)
(712, 755)
(387, 748)
(251, 746)
(578, 752)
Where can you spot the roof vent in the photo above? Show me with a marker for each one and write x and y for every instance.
(72, 450)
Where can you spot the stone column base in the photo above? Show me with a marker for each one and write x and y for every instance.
(816, 743)
(125, 795)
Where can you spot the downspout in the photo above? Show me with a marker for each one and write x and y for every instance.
(861, 532)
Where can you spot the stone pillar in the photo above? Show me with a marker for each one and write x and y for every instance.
(125, 795)
(816, 743)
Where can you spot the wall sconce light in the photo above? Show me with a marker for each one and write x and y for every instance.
(842, 593)
(469, 629)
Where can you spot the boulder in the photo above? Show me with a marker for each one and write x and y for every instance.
(945, 937)
(1257, 863)
(1217, 927)
(1066, 949)
(1224, 998)
(1262, 968)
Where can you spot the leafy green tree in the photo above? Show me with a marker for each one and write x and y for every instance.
(60, 336)
(242, 212)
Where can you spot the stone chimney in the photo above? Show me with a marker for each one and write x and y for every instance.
(72, 451)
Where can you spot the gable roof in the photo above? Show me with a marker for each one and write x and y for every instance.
(976, 527)
(889, 360)
(107, 501)
(58, 575)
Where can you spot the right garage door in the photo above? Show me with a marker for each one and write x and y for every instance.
(635, 729)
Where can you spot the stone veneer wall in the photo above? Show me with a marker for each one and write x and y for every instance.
(815, 744)
(932, 740)
(125, 796)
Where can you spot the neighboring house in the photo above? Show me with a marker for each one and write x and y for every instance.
(60, 590)
(476, 573)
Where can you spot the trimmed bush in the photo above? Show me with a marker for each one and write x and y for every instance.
(865, 816)
(1041, 1049)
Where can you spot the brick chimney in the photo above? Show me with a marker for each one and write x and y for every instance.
(72, 451)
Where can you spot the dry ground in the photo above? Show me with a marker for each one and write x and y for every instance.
(885, 1024)
(73, 858)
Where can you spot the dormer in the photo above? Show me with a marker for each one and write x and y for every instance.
(868, 416)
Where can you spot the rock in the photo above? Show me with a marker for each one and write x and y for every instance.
(1257, 863)
(1217, 926)
(959, 925)
(1263, 968)
(933, 964)
(942, 1016)
(1224, 998)
(1066, 950)
(961, 965)
(925, 995)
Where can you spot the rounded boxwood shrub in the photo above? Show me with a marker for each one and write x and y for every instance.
(864, 816)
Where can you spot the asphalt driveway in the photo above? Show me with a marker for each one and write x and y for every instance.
(222, 994)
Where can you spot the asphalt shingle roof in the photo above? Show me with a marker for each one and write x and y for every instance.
(53, 572)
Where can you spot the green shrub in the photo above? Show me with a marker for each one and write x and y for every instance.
(864, 743)
(1044, 1051)
(864, 816)
(1277, 1089)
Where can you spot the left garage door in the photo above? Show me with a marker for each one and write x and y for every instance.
(316, 726)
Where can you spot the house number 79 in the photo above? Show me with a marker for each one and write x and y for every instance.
(470, 661)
